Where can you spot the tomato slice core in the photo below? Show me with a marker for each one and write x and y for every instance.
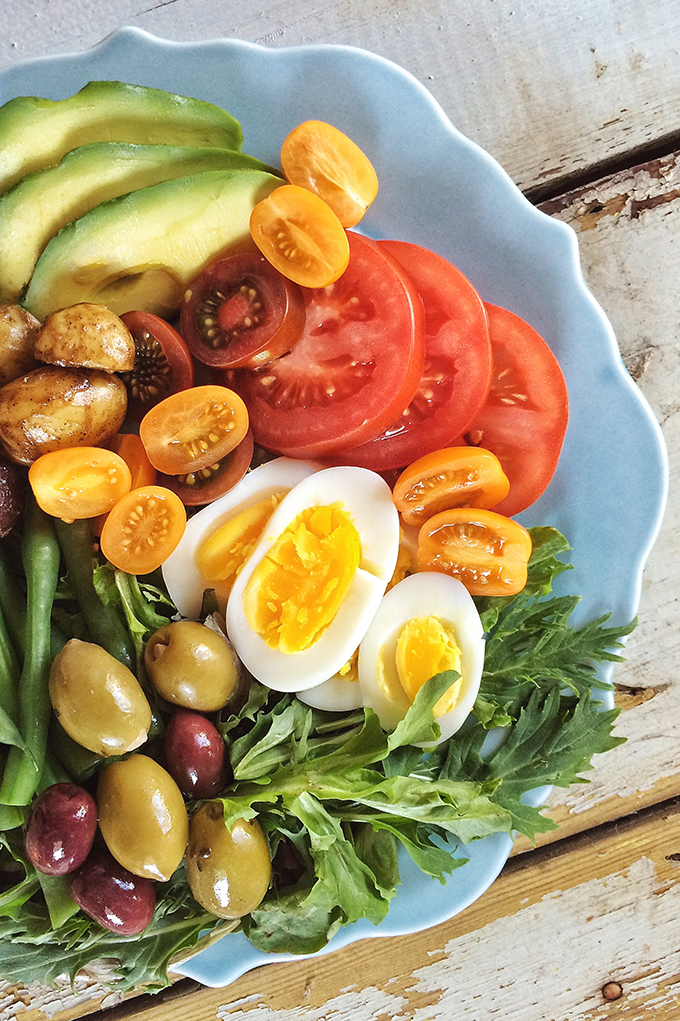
(525, 418)
(240, 311)
(457, 367)
(355, 367)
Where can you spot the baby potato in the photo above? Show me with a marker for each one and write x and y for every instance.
(86, 336)
(52, 408)
(18, 332)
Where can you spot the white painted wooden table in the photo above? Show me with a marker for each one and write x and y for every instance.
(580, 101)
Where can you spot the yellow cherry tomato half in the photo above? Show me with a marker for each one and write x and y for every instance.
(452, 477)
(79, 482)
(489, 553)
(319, 157)
(143, 529)
(193, 429)
(300, 235)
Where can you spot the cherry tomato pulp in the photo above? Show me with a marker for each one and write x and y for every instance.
(79, 482)
(200, 487)
(143, 529)
(317, 156)
(355, 368)
(162, 366)
(193, 429)
(300, 235)
(240, 311)
(525, 417)
(454, 477)
(486, 551)
(457, 368)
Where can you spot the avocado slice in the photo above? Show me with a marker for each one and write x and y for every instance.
(36, 133)
(39, 205)
(141, 250)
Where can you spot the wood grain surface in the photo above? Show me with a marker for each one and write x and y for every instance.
(580, 102)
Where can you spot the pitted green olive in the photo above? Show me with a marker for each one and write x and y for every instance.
(97, 700)
(191, 665)
(142, 817)
(228, 870)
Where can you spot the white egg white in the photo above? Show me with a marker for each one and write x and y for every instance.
(184, 581)
(367, 499)
(421, 595)
(336, 695)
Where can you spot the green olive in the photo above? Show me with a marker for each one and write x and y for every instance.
(191, 665)
(142, 817)
(97, 700)
(228, 870)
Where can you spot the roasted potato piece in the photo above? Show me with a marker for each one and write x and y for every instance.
(86, 336)
(18, 332)
(52, 408)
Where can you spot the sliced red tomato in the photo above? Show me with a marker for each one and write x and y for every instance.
(240, 311)
(197, 488)
(457, 368)
(356, 366)
(163, 365)
(525, 418)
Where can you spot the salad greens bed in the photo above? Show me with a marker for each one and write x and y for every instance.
(335, 794)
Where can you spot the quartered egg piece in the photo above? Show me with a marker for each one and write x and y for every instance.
(339, 694)
(426, 624)
(205, 559)
(306, 596)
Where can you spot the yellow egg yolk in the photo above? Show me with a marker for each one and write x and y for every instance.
(425, 647)
(298, 587)
(222, 556)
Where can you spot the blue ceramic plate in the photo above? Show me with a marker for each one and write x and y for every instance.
(439, 190)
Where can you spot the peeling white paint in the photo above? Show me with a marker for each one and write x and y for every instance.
(51, 1000)
(553, 956)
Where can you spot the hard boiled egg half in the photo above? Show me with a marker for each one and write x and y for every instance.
(220, 537)
(426, 624)
(307, 594)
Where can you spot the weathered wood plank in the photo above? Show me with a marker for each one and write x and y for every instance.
(550, 90)
(560, 930)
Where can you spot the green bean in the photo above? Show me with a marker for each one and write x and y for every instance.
(12, 602)
(104, 623)
(9, 672)
(40, 552)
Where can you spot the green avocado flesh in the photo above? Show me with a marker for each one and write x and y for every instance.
(39, 205)
(36, 133)
(141, 250)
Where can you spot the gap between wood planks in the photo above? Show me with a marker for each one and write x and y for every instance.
(556, 188)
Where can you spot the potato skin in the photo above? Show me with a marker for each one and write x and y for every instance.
(52, 408)
(18, 332)
(86, 336)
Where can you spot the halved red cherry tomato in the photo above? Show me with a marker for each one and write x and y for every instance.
(355, 367)
(163, 365)
(319, 157)
(453, 477)
(143, 529)
(457, 370)
(193, 429)
(79, 482)
(197, 488)
(525, 418)
(488, 552)
(240, 311)
(300, 235)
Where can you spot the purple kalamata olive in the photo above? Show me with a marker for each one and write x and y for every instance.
(112, 896)
(60, 829)
(196, 755)
(12, 494)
